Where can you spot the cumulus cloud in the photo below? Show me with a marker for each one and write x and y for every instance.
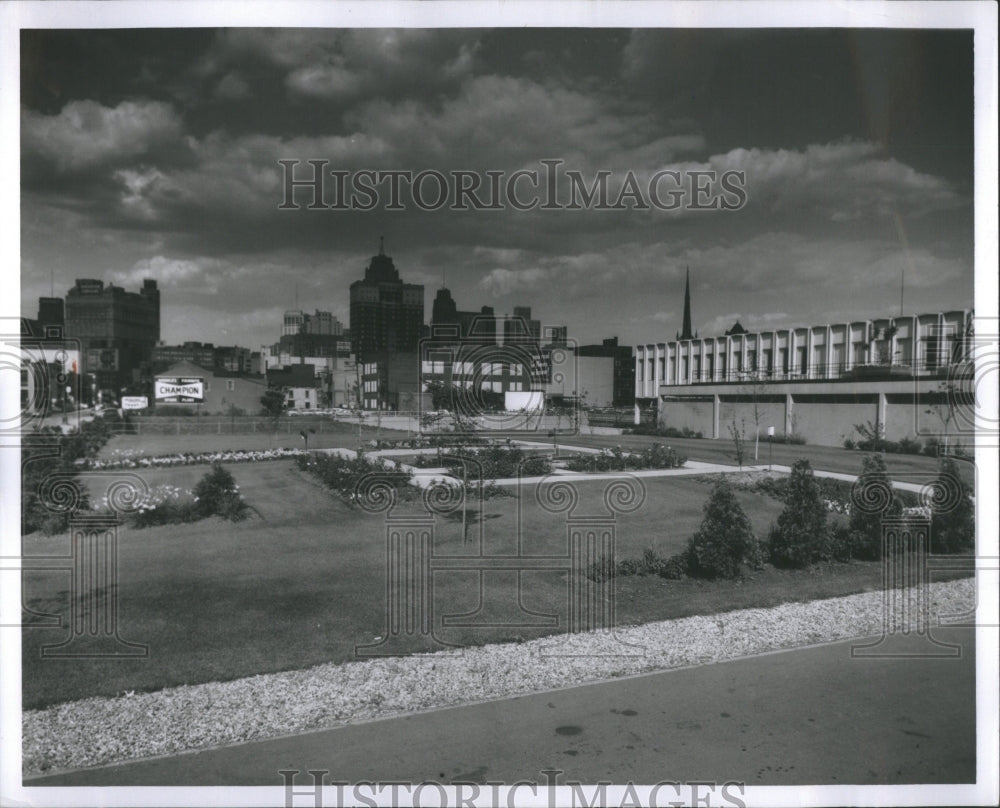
(165, 271)
(86, 134)
(341, 64)
(499, 282)
(840, 181)
(232, 87)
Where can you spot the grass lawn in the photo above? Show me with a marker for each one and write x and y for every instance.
(338, 435)
(304, 582)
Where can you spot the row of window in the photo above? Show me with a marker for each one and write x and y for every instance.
(493, 387)
(469, 368)
(878, 352)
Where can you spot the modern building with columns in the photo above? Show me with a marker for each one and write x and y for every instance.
(816, 381)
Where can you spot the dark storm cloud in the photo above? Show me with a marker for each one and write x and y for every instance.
(158, 153)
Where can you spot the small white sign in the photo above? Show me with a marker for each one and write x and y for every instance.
(134, 402)
(770, 431)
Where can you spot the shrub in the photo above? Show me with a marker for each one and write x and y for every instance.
(909, 446)
(725, 539)
(800, 536)
(165, 513)
(953, 524)
(344, 474)
(867, 524)
(844, 543)
(217, 494)
(655, 456)
(791, 438)
(665, 431)
(676, 567)
(673, 568)
(495, 462)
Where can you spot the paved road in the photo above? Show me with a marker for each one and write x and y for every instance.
(813, 715)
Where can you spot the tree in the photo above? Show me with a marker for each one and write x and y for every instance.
(947, 398)
(739, 440)
(272, 403)
(873, 500)
(953, 518)
(755, 386)
(871, 436)
(725, 540)
(801, 535)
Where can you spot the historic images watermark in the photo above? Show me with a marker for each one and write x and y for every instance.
(328, 792)
(49, 367)
(549, 187)
(414, 559)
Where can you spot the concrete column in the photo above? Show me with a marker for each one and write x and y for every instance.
(788, 413)
(881, 412)
(635, 414)
(848, 348)
(716, 406)
(829, 353)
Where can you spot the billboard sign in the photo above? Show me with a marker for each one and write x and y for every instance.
(187, 390)
(135, 402)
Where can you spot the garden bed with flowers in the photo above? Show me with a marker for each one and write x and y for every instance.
(135, 459)
(215, 494)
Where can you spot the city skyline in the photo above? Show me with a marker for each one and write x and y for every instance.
(154, 153)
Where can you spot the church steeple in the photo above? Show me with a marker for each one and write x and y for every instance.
(686, 332)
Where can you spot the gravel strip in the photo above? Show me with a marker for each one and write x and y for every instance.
(95, 731)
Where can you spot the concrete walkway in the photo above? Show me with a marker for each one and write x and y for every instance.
(425, 477)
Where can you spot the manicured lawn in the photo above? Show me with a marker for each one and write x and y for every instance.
(334, 436)
(304, 582)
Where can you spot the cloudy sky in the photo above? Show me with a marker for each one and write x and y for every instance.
(153, 153)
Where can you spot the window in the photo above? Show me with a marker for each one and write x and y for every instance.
(230, 384)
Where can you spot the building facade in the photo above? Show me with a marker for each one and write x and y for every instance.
(387, 315)
(117, 330)
(197, 353)
(622, 369)
(467, 363)
(391, 381)
(817, 381)
(321, 323)
(209, 391)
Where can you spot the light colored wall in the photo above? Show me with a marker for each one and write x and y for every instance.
(829, 421)
(687, 414)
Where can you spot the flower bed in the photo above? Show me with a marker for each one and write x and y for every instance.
(216, 494)
(495, 462)
(655, 456)
(131, 459)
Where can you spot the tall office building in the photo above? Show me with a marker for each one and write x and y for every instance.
(117, 329)
(387, 315)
